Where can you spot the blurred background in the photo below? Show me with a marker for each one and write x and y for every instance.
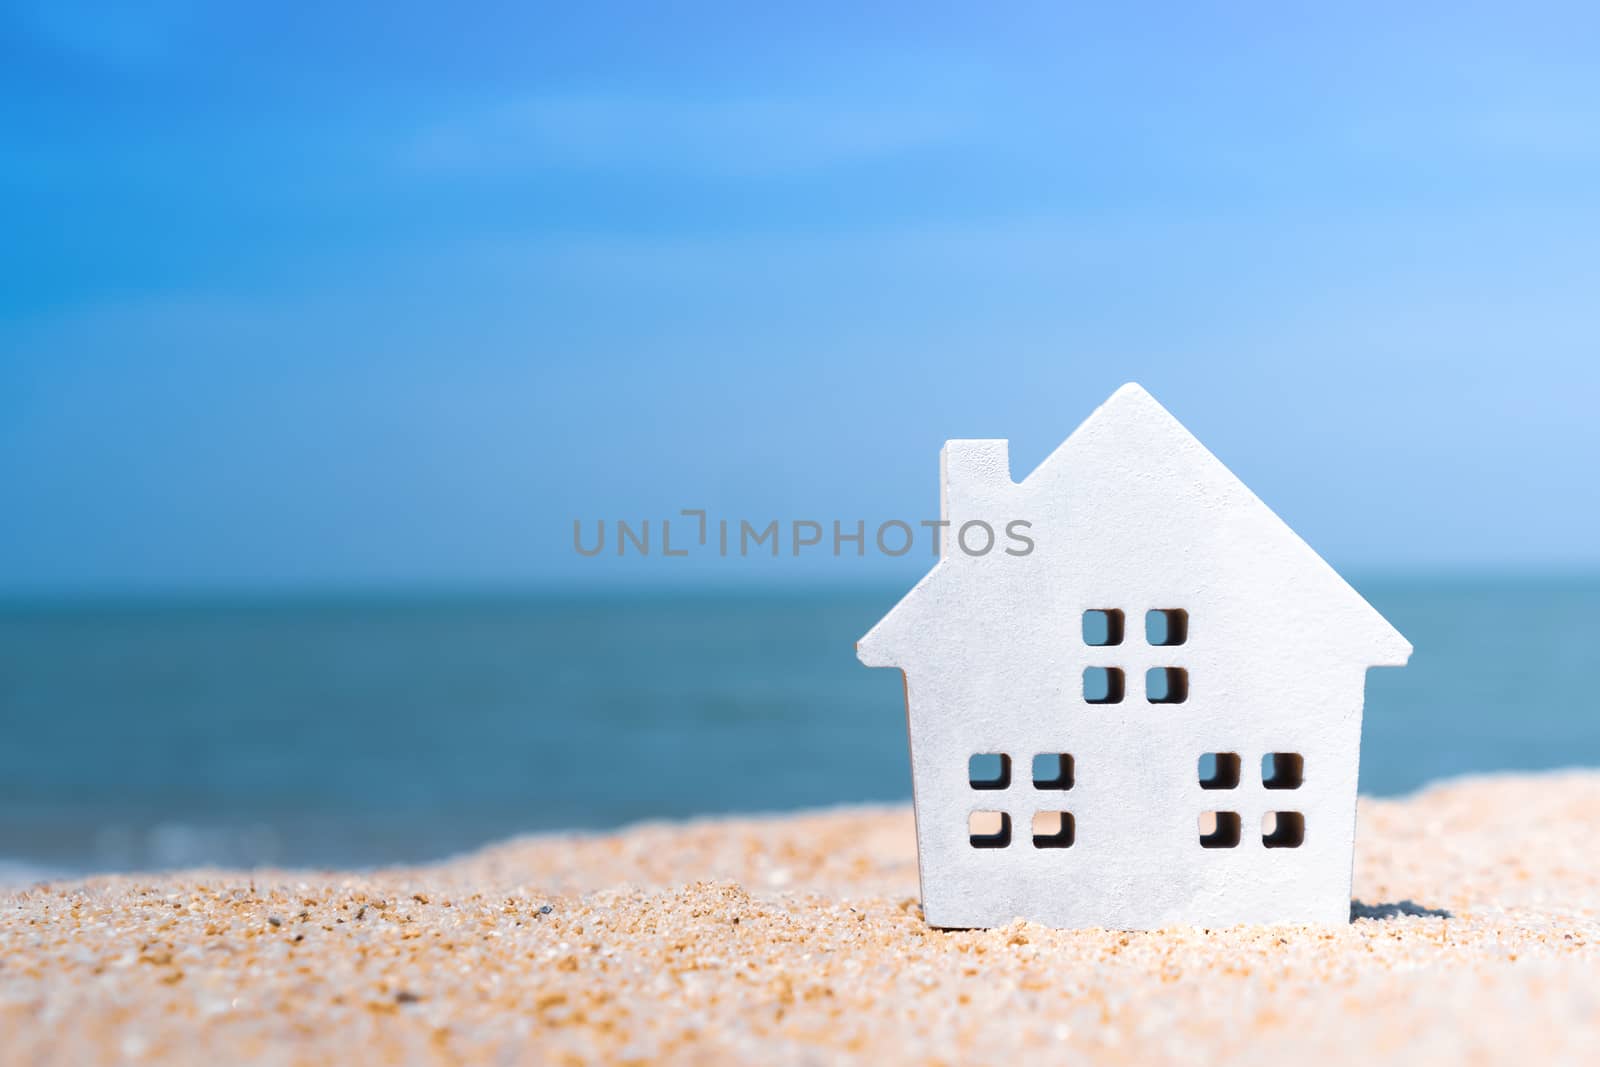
(321, 327)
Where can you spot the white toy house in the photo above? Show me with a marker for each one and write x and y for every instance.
(1153, 717)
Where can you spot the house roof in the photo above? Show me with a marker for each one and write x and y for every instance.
(1127, 440)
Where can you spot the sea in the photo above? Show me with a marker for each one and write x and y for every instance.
(369, 730)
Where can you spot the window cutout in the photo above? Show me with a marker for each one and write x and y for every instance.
(1282, 770)
(1219, 829)
(1052, 770)
(1102, 626)
(1103, 685)
(1219, 770)
(1283, 829)
(1053, 829)
(1166, 685)
(989, 829)
(989, 770)
(1166, 626)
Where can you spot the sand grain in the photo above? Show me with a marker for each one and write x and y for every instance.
(799, 939)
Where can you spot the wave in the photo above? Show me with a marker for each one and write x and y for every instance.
(19, 874)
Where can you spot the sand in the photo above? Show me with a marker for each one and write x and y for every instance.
(798, 939)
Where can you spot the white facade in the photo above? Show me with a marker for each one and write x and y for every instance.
(1130, 516)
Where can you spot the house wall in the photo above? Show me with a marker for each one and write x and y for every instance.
(1132, 514)
(1136, 860)
(1266, 672)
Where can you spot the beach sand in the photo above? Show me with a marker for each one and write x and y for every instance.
(798, 939)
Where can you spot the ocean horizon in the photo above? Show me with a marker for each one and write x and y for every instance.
(359, 729)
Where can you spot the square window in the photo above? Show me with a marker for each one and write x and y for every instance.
(1283, 829)
(1102, 626)
(989, 829)
(1053, 829)
(989, 770)
(1166, 685)
(1166, 626)
(1103, 685)
(1282, 770)
(1219, 770)
(1052, 770)
(1219, 829)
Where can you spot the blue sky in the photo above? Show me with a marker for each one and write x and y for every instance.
(389, 295)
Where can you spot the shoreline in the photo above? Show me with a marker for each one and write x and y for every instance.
(21, 872)
(798, 938)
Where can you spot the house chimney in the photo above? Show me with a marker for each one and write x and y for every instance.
(974, 479)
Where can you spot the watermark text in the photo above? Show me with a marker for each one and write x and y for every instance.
(694, 532)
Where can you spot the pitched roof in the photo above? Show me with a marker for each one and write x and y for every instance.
(1126, 438)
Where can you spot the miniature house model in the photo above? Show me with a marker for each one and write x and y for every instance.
(1153, 717)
